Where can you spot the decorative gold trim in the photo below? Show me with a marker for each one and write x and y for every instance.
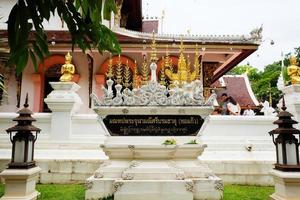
(110, 70)
(119, 72)
(127, 76)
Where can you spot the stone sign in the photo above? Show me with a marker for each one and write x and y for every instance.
(153, 125)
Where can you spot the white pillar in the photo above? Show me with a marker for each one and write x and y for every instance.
(287, 185)
(292, 99)
(20, 183)
(63, 101)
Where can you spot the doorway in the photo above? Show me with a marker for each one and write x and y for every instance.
(52, 74)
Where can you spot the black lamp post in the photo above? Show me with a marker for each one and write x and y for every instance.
(23, 139)
(287, 145)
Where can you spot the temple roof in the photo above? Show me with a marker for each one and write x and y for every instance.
(251, 39)
(225, 50)
(237, 86)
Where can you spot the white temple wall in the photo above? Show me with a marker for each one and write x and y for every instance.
(9, 101)
(239, 148)
(27, 85)
(235, 132)
(81, 63)
(226, 136)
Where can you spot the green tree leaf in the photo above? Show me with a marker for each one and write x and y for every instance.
(82, 17)
(21, 62)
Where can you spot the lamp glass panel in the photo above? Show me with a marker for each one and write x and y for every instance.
(19, 151)
(291, 156)
(29, 156)
(279, 153)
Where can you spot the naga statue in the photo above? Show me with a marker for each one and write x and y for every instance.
(67, 69)
(294, 70)
(183, 74)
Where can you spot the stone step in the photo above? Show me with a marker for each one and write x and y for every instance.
(202, 189)
(153, 189)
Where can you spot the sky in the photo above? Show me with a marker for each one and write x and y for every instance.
(280, 20)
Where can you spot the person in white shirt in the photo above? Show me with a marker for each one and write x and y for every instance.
(233, 107)
(248, 111)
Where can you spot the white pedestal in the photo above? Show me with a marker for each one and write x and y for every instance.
(20, 183)
(292, 99)
(63, 101)
(287, 185)
(146, 171)
(142, 168)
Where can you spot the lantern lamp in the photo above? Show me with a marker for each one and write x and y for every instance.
(286, 142)
(22, 138)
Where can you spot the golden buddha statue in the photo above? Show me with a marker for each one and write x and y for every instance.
(294, 70)
(67, 69)
(183, 73)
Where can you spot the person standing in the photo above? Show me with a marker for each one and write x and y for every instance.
(224, 100)
(248, 111)
(233, 107)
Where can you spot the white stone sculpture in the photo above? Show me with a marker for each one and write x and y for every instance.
(154, 94)
(267, 109)
(153, 68)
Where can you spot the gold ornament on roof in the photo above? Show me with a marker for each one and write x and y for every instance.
(182, 71)
(188, 69)
(168, 61)
(127, 76)
(153, 57)
(162, 79)
(119, 72)
(110, 70)
(145, 72)
(197, 67)
(67, 69)
(294, 70)
(135, 78)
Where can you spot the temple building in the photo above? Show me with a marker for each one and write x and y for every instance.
(208, 57)
(239, 87)
(157, 79)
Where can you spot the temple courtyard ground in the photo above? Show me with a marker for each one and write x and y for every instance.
(76, 192)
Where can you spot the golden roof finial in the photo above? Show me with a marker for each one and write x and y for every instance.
(183, 73)
(67, 69)
(110, 70)
(135, 78)
(188, 69)
(162, 75)
(153, 47)
(145, 72)
(197, 67)
(127, 76)
(167, 60)
(181, 60)
(119, 72)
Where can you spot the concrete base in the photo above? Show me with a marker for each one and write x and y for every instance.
(159, 187)
(20, 183)
(160, 172)
(287, 185)
(63, 101)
